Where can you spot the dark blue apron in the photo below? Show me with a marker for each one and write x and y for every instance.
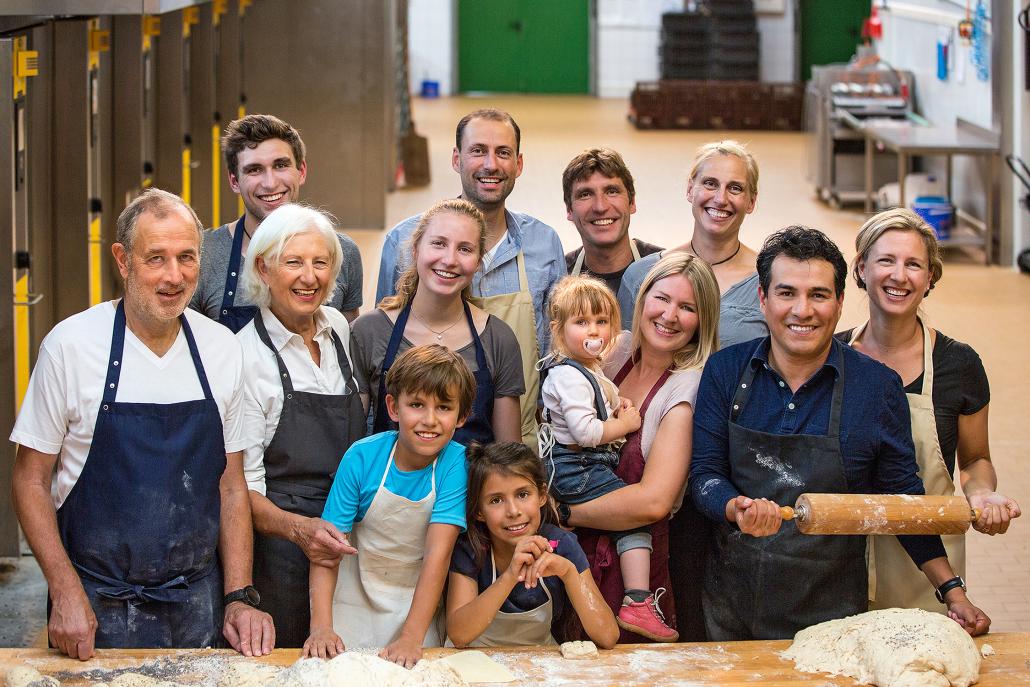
(771, 587)
(479, 425)
(141, 523)
(235, 317)
(313, 433)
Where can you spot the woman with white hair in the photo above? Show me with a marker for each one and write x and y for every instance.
(302, 408)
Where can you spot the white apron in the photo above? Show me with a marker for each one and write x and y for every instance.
(375, 586)
(577, 267)
(518, 312)
(525, 628)
(894, 580)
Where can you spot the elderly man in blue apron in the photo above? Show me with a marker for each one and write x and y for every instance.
(129, 480)
(265, 160)
(795, 412)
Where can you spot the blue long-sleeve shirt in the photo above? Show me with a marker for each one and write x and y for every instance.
(875, 431)
(544, 260)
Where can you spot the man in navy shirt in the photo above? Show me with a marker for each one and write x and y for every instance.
(798, 412)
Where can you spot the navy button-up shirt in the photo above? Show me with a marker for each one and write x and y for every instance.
(875, 432)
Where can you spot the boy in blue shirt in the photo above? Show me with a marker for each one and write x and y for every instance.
(399, 498)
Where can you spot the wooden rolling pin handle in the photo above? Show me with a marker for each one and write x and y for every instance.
(786, 512)
(974, 514)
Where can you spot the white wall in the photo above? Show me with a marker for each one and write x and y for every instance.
(431, 41)
(625, 43)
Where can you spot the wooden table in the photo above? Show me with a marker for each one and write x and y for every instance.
(908, 139)
(651, 665)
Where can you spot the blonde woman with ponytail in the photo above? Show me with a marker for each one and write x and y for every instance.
(431, 307)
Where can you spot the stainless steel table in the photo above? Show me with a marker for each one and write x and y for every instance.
(909, 138)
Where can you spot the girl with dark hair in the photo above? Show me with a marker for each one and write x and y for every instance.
(513, 573)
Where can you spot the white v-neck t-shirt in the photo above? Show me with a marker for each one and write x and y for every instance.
(63, 398)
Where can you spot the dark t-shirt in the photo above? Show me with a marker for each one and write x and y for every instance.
(960, 387)
(612, 279)
(463, 561)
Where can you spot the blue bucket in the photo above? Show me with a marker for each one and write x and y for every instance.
(937, 212)
(430, 89)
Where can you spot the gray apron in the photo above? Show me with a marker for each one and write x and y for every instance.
(313, 433)
(771, 587)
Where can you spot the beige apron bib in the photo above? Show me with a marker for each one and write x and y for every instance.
(525, 628)
(375, 586)
(578, 266)
(518, 312)
(894, 580)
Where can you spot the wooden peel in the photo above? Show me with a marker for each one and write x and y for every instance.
(880, 514)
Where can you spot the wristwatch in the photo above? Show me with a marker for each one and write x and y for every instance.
(564, 513)
(247, 595)
(946, 587)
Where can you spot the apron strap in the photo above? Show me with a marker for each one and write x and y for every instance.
(927, 361)
(391, 354)
(284, 374)
(578, 266)
(599, 408)
(114, 363)
(232, 274)
(520, 260)
(176, 590)
(480, 351)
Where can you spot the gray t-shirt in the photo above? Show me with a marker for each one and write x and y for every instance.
(370, 334)
(214, 266)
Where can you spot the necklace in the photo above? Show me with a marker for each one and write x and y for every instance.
(439, 334)
(713, 264)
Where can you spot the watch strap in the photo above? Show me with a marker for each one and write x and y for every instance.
(947, 586)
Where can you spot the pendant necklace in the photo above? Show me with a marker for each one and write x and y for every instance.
(713, 264)
(439, 334)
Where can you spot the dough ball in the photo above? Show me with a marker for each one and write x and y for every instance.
(579, 650)
(890, 648)
(987, 650)
(23, 676)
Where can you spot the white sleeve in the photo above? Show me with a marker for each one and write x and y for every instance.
(45, 413)
(254, 437)
(572, 397)
(233, 424)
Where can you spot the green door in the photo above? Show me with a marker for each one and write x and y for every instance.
(830, 31)
(524, 46)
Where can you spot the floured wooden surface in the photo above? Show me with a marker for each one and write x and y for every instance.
(683, 665)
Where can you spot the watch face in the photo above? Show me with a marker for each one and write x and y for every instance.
(253, 598)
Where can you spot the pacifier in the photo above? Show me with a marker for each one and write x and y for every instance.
(593, 346)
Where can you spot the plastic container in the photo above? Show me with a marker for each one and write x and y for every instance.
(937, 212)
(430, 89)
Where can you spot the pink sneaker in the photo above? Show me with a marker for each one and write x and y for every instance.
(646, 619)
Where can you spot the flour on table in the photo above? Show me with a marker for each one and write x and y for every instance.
(248, 673)
(475, 666)
(579, 650)
(23, 676)
(349, 669)
(890, 648)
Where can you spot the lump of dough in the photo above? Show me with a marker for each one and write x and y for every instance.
(987, 650)
(890, 648)
(23, 676)
(579, 650)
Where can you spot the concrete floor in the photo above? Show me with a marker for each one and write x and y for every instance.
(986, 307)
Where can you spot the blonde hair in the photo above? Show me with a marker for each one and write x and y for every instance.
(579, 295)
(727, 147)
(706, 297)
(407, 283)
(897, 219)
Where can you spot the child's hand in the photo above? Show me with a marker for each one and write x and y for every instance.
(403, 651)
(323, 643)
(630, 418)
(623, 403)
(322, 543)
(546, 565)
(527, 551)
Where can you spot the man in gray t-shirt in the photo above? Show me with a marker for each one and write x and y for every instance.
(266, 163)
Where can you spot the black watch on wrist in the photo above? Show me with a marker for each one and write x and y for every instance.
(247, 595)
(947, 586)
(564, 513)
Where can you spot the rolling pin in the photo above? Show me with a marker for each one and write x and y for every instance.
(880, 514)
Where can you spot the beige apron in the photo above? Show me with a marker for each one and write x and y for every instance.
(525, 628)
(894, 580)
(518, 312)
(375, 586)
(578, 266)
